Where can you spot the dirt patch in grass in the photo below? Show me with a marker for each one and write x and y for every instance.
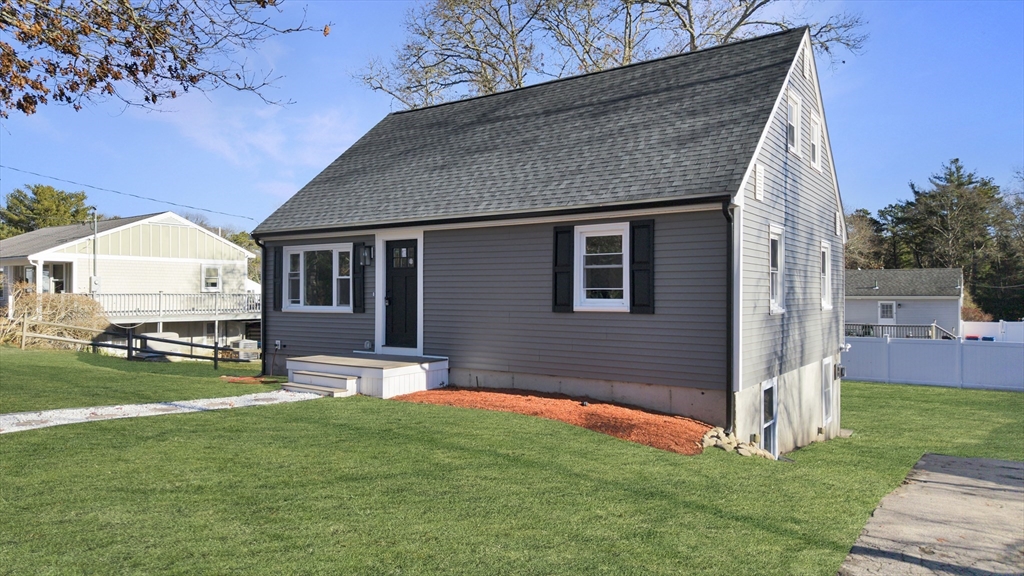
(673, 433)
(252, 379)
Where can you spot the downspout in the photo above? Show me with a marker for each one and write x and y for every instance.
(730, 399)
(263, 306)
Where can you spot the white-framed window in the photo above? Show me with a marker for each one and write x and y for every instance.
(887, 312)
(827, 381)
(211, 278)
(318, 278)
(776, 270)
(758, 182)
(793, 122)
(601, 273)
(825, 271)
(769, 416)
(815, 143)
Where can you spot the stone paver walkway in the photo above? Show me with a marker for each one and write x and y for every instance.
(32, 420)
(962, 516)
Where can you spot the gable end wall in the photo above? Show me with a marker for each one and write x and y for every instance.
(803, 201)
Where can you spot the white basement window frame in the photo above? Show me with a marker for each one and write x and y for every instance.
(211, 278)
(794, 105)
(770, 415)
(827, 389)
(825, 274)
(776, 270)
(601, 268)
(328, 267)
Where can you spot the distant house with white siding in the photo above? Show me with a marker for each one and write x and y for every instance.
(156, 272)
(911, 297)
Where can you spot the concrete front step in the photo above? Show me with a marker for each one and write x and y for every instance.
(331, 391)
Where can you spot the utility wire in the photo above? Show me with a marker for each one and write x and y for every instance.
(126, 193)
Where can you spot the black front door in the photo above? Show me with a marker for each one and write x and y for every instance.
(400, 294)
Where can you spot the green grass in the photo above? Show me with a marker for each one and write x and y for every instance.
(45, 379)
(366, 486)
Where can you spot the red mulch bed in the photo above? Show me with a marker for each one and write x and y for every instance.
(673, 433)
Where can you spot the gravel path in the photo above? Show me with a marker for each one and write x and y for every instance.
(962, 516)
(31, 420)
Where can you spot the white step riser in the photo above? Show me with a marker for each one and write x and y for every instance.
(332, 392)
(343, 383)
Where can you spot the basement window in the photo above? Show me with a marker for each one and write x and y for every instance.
(827, 379)
(769, 416)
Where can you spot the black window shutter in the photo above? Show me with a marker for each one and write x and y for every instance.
(641, 267)
(278, 275)
(358, 300)
(562, 284)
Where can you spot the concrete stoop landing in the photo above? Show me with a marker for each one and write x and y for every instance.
(377, 375)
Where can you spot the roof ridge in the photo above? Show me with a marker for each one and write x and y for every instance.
(596, 72)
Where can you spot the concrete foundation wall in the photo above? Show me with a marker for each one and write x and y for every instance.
(704, 405)
(800, 409)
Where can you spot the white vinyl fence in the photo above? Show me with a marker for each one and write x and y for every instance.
(960, 364)
(1001, 331)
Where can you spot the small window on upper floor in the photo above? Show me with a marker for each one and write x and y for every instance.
(793, 122)
(815, 143)
(211, 278)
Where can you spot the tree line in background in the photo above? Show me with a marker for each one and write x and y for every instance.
(961, 220)
(42, 206)
(459, 48)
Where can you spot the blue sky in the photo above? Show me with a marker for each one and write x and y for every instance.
(937, 80)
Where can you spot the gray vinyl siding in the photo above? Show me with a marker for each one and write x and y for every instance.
(487, 306)
(945, 313)
(802, 201)
(308, 333)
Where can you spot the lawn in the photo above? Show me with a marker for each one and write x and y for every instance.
(365, 486)
(44, 379)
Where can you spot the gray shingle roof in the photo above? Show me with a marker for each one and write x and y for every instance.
(914, 282)
(670, 128)
(36, 241)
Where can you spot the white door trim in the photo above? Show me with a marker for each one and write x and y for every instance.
(886, 320)
(380, 289)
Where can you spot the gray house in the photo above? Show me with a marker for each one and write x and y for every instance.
(667, 234)
(916, 297)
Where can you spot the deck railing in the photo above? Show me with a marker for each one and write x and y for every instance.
(926, 331)
(163, 304)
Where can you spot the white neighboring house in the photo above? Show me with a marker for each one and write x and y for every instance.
(904, 297)
(156, 272)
